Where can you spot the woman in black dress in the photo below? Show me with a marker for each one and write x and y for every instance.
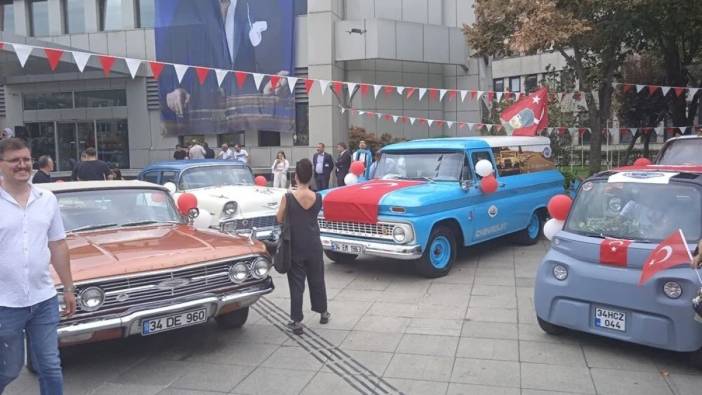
(303, 206)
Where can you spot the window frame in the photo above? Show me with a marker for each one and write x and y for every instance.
(519, 84)
(496, 82)
(102, 10)
(138, 15)
(4, 3)
(66, 19)
(30, 12)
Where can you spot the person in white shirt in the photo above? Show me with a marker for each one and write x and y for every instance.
(197, 151)
(240, 154)
(33, 237)
(280, 171)
(225, 153)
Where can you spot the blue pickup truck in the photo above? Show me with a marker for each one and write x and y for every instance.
(425, 200)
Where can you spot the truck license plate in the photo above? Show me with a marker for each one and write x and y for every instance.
(610, 319)
(174, 321)
(347, 248)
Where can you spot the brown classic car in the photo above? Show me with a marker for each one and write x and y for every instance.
(141, 269)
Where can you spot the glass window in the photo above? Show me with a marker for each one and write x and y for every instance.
(498, 85)
(109, 98)
(229, 139)
(168, 176)
(512, 161)
(300, 7)
(145, 16)
(515, 84)
(47, 101)
(110, 15)
(268, 139)
(302, 125)
(74, 16)
(439, 166)
(7, 16)
(531, 82)
(113, 142)
(39, 18)
(41, 139)
(477, 156)
(215, 176)
(682, 152)
(151, 177)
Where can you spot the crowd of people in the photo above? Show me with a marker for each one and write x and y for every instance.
(197, 150)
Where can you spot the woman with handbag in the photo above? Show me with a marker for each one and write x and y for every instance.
(298, 211)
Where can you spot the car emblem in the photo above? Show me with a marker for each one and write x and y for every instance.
(244, 222)
(547, 152)
(173, 283)
(492, 211)
(122, 297)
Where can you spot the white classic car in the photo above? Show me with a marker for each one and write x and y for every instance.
(224, 189)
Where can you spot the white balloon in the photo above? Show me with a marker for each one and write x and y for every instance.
(351, 179)
(483, 168)
(551, 227)
(203, 221)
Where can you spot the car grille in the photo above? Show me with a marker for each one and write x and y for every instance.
(377, 231)
(250, 223)
(121, 294)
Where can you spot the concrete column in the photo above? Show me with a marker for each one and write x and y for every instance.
(92, 16)
(128, 14)
(21, 18)
(56, 22)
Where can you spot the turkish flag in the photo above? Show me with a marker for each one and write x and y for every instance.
(527, 116)
(670, 252)
(614, 252)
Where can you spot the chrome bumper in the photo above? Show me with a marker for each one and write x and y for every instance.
(130, 323)
(267, 233)
(386, 250)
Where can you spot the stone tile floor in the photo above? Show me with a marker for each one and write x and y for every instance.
(471, 332)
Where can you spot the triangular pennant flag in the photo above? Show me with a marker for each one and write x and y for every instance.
(2, 45)
(678, 91)
(490, 97)
(376, 90)
(364, 88)
(221, 75)
(308, 86)
(389, 90)
(107, 62)
(412, 119)
(452, 94)
(395, 118)
(692, 92)
(652, 89)
(81, 59)
(403, 119)
(258, 79)
(430, 122)
(639, 88)
(338, 88)
(517, 95)
(400, 90)
(387, 117)
(665, 90)
(479, 94)
(682, 129)
(626, 87)
(156, 69)
(201, 74)
(240, 78)
(449, 124)
(379, 115)
(22, 52)
(463, 95)
(433, 94)
(461, 125)
(439, 123)
(53, 56)
(422, 92)
(180, 70)
(275, 81)
(660, 131)
(442, 93)
(351, 86)
(470, 125)
(473, 94)
(133, 66)
(323, 85)
(410, 92)
(292, 81)
(499, 96)
(361, 112)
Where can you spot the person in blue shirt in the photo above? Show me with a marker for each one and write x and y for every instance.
(364, 155)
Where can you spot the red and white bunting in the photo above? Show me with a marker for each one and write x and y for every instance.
(23, 52)
(81, 59)
(376, 90)
(463, 95)
(156, 69)
(258, 79)
(53, 56)
(639, 88)
(292, 81)
(221, 75)
(180, 70)
(412, 120)
(442, 93)
(351, 86)
(323, 85)
(133, 66)
(422, 92)
(400, 90)
(107, 62)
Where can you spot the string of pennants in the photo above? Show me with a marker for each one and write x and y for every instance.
(654, 89)
(489, 127)
(54, 56)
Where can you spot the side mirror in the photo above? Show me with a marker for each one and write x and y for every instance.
(170, 186)
(466, 184)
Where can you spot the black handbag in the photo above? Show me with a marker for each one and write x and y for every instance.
(283, 252)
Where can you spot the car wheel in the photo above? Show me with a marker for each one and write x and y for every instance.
(549, 328)
(339, 257)
(531, 234)
(439, 255)
(234, 320)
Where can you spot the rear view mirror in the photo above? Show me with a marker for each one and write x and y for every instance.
(466, 184)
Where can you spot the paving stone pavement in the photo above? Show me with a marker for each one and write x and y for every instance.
(471, 332)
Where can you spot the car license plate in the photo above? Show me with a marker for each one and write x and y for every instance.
(347, 248)
(610, 319)
(174, 321)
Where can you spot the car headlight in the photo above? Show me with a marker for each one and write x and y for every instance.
(560, 272)
(61, 301)
(91, 298)
(399, 234)
(230, 208)
(672, 289)
(238, 273)
(260, 268)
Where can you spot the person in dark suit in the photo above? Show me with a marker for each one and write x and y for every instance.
(46, 166)
(323, 166)
(343, 163)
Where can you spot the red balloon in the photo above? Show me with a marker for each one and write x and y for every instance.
(559, 206)
(488, 184)
(261, 181)
(641, 162)
(357, 168)
(186, 202)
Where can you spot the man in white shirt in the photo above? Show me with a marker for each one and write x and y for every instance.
(33, 238)
(225, 153)
(197, 151)
(240, 154)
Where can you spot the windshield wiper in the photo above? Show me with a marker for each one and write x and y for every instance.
(149, 222)
(92, 227)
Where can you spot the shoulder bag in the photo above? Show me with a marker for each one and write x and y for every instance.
(283, 251)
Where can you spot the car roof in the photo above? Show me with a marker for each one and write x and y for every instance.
(463, 143)
(694, 169)
(686, 137)
(185, 164)
(85, 185)
(672, 173)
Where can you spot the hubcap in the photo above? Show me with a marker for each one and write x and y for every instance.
(440, 252)
(533, 228)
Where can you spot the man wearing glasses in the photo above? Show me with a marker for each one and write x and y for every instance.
(33, 238)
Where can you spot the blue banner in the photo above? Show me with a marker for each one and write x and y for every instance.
(255, 36)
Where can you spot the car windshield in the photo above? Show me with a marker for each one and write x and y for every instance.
(682, 152)
(215, 176)
(437, 166)
(636, 211)
(105, 208)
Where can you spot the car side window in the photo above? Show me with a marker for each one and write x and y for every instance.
(477, 156)
(466, 173)
(151, 177)
(168, 176)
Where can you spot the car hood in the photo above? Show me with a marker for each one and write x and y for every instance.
(111, 252)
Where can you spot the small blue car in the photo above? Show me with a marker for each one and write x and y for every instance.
(589, 279)
(425, 200)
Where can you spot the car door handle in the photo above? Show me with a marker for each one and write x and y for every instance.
(502, 184)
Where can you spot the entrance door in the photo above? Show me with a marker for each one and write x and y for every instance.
(73, 138)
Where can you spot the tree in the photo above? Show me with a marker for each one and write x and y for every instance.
(589, 34)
